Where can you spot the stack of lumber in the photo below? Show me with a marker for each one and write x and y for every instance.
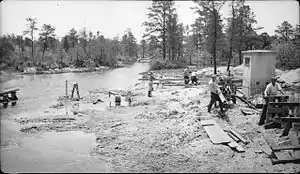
(218, 136)
(284, 153)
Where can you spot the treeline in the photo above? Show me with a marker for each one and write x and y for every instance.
(208, 41)
(80, 48)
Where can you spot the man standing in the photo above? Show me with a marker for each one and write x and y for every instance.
(186, 76)
(151, 78)
(194, 78)
(215, 91)
(272, 88)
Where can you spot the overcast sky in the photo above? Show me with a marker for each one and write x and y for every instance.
(112, 18)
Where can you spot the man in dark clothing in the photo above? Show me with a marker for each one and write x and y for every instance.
(215, 91)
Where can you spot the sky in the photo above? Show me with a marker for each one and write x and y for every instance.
(113, 18)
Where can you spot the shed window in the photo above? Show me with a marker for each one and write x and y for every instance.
(247, 61)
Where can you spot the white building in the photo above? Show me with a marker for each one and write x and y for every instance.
(259, 67)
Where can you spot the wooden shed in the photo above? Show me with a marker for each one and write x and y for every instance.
(259, 67)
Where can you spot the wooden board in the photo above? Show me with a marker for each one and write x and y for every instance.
(207, 122)
(8, 91)
(236, 146)
(273, 110)
(281, 155)
(290, 119)
(215, 133)
(233, 137)
(273, 145)
(239, 136)
(289, 104)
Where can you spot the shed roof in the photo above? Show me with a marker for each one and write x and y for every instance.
(258, 51)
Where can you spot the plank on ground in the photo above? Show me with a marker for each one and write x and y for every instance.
(215, 133)
(238, 136)
(233, 137)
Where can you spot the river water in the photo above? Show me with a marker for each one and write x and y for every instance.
(53, 151)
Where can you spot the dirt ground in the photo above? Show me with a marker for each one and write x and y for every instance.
(162, 133)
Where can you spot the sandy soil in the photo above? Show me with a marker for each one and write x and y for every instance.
(162, 133)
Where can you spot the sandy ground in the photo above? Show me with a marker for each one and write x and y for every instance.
(162, 133)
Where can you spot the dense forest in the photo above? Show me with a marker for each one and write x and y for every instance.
(210, 41)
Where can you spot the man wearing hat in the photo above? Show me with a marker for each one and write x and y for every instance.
(215, 91)
(186, 76)
(272, 88)
(151, 78)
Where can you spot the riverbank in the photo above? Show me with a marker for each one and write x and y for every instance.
(159, 134)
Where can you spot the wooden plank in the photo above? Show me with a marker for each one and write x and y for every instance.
(270, 141)
(280, 104)
(272, 110)
(207, 122)
(215, 133)
(239, 136)
(280, 155)
(275, 147)
(290, 119)
(233, 137)
(9, 91)
(276, 161)
(236, 146)
(278, 97)
(223, 134)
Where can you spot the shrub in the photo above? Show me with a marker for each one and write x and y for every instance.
(162, 64)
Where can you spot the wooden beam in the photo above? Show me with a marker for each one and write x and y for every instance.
(275, 147)
(289, 104)
(273, 110)
(289, 119)
(9, 91)
(239, 136)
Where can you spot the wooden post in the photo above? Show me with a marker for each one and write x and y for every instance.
(66, 88)
(74, 86)
(77, 91)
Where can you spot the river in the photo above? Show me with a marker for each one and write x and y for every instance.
(53, 151)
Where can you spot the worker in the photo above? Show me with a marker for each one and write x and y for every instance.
(272, 88)
(129, 97)
(151, 78)
(194, 78)
(186, 76)
(215, 91)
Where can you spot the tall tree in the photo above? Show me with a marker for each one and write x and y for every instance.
(285, 31)
(157, 25)
(244, 26)
(46, 37)
(213, 8)
(31, 27)
(66, 43)
(143, 45)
